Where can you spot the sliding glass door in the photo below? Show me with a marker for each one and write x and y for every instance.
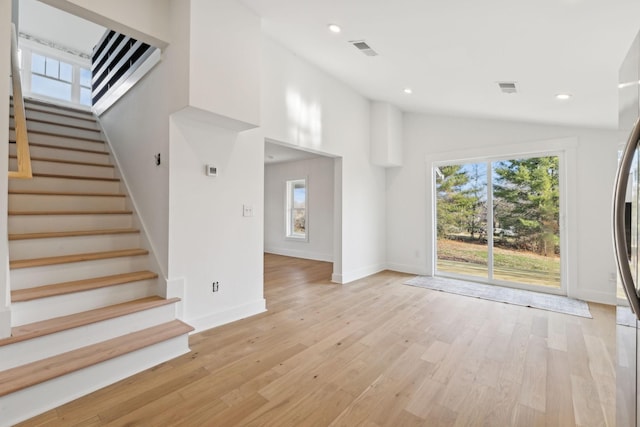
(499, 221)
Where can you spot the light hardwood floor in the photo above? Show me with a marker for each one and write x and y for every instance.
(372, 353)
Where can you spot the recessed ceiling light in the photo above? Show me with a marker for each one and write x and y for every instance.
(334, 28)
(408, 90)
(563, 96)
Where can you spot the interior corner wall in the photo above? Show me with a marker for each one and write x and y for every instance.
(319, 173)
(304, 107)
(210, 239)
(5, 67)
(409, 239)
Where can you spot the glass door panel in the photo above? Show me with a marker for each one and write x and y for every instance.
(508, 231)
(461, 205)
(526, 217)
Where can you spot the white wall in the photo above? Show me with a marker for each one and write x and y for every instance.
(145, 20)
(5, 66)
(210, 239)
(224, 71)
(194, 223)
(409, 237)
(138, 128)
(302, 106)
(319, 174)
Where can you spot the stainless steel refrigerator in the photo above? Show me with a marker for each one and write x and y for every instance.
(626, 213)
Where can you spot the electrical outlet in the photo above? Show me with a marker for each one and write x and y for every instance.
(247, 210)
(215, 286)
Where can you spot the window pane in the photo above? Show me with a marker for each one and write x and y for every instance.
(85, 96)
(297, 208)
(85, 77)
(66, 72)
(52, 67)
(461, 206)
(527, 221)
(50, 87)
(37, 63)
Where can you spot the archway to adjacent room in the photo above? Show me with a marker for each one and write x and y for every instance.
(302, 205)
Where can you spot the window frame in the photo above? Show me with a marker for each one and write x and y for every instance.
(29, 47)
(290, 234)
(565, 149)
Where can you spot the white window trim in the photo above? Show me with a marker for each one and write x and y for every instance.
(289, 235)
(28, 47)
(565, 149)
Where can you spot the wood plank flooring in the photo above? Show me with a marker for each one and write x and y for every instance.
(371, 353)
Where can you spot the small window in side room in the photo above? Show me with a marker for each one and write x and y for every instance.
(296, 212)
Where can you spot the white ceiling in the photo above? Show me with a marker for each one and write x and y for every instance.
(452, 52)
(276, 153)
(48, 23)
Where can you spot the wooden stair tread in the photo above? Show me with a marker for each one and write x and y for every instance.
(89, 117)
(84, 178)
(77, 233)
(63, 323)
(21, 295)
(16, 213)
(64, 193)
(50, 122)
(70, 162)
(58, 147)
(29, 102)
(65, 259)
(34, 373)
(61, 135)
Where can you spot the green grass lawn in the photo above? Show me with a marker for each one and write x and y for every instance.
(510, 265)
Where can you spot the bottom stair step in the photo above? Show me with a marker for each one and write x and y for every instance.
(22, 377)
(51, 326)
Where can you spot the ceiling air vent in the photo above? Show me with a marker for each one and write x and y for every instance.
(363, 47)
(507, 87)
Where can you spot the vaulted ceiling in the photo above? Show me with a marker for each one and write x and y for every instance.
(452, 53)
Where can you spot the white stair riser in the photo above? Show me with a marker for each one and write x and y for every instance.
(36, 223)
(63, 120)
(29, 106)
(65, 185)
(22, 278)
(45, 202)
(35, 400)
(54, 153)
(61, 141)
(40, 248)
(39, 166)
(59, 129)
(62, 305)
(61, 342)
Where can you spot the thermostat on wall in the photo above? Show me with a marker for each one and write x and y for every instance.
(212, 170)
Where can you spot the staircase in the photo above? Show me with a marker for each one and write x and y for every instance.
(85, 308)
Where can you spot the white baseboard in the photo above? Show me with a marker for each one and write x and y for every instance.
(418, 270)
(595, 296)
(315, 256)
(175, 289)
(227, 316)
(350, 276)
(5, 322)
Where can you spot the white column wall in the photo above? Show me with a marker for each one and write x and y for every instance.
(302, 106)
(5, 67)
